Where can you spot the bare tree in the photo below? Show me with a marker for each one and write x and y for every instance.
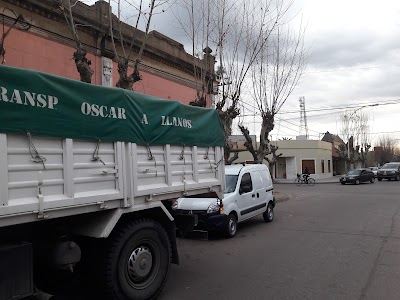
(355, 127)
(196, 20)
(126, 80)
(241, 39)
(83, 64)
(275, 75)
(385, 151)
(18, 20)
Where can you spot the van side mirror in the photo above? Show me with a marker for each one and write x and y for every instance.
(245, 189)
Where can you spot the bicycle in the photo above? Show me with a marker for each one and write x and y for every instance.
(300, 180)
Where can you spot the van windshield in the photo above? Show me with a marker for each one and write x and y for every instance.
(231, 181)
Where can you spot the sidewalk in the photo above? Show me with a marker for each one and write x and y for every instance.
(333, 179)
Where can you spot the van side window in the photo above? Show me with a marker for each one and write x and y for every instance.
(246, 181)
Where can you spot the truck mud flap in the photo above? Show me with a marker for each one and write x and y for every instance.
(16, 271)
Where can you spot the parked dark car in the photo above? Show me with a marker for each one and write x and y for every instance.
(358, 175)
(389, 171)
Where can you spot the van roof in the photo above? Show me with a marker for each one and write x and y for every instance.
(235, 169)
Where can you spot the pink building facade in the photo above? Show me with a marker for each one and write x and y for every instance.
(166, 68)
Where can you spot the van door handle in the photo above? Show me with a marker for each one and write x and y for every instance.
(253, 195)
(258, 195)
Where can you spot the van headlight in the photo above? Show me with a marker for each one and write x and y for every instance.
(175, 204)
(213, 207)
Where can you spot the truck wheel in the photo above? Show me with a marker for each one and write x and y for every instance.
(137, 261)
(269, 213)
(231, 226)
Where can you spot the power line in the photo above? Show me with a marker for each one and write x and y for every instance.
(327, 108)
(367, 104)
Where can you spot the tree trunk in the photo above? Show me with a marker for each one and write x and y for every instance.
(83, 65)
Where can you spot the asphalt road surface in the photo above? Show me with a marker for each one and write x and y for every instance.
(327, 241)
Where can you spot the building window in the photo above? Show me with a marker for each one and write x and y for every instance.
(329, 165)
(310, 164)
(322, 166)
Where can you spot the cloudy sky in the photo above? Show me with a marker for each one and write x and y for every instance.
(354, 61)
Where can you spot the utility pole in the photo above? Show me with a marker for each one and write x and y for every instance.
(303, 118)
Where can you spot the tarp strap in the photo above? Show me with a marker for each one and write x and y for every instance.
(36, 158)
(206, 155)
(149, 154)
(95, 155)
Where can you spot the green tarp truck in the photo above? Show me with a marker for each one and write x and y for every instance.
(88, 175)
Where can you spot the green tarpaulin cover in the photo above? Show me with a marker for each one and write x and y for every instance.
(48, 105)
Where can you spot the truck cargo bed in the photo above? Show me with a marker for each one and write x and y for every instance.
(44, 177)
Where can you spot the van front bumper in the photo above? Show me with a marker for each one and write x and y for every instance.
(202, 219)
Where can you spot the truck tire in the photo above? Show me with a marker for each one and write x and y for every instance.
(137, 261)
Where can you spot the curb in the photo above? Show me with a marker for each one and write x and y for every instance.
(316, 182)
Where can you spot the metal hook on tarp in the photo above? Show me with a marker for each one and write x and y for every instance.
(95, 155)
(36, 157)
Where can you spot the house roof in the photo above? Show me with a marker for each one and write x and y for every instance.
(332, 138)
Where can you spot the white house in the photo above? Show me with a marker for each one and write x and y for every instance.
(296, 155)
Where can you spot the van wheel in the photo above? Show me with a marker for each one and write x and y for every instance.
(379, 179)
(137, 261)
(231, 226)
(269, 213)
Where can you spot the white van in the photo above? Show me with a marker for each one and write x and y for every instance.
(248, 193)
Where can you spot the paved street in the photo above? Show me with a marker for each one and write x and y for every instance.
(327, 242)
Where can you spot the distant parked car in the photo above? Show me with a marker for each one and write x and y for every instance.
(389, 171)
(374, 170)
(358, 175)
